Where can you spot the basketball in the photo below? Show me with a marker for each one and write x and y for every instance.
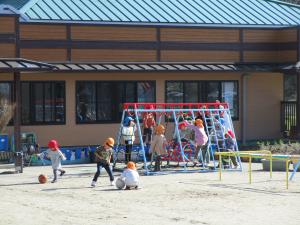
(120, 183)
(43, 179)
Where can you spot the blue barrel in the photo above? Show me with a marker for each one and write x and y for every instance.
(3, 142)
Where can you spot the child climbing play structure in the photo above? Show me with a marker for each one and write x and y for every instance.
(217, 124)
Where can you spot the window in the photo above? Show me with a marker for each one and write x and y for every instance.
(43, 102)
(290, 87)
(102, 101)
(204, 91)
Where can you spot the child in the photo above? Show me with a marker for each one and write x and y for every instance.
(129, 137)
(149, 123)
(230, 146)
(184, 133)
(200, 137)
(102, 158)
(130, 176)
(158, 146)
(55, 156)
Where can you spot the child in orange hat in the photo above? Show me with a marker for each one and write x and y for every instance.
(130, 177)
(102, 158)
(158, 146)
(55, 156)
(200, 136)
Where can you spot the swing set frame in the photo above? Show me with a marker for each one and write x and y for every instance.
(174, 110)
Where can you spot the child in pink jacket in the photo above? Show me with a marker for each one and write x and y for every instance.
(200, 136)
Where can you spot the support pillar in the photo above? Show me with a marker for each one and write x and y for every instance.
(17, 122)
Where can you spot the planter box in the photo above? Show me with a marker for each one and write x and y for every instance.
(277, 165)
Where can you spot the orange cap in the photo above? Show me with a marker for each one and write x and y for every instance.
(131, 165)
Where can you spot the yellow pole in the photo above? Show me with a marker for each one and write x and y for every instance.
(250, 160)
(220, 167)
(287, 173)
(271, 166)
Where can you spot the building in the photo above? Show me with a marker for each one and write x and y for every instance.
(88, 57)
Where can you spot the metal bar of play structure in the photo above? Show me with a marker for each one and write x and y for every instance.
(260, 154)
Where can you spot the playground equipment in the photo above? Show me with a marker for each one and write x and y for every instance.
(262, 154)
(216, 120)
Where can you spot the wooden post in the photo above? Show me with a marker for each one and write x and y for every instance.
(17, 121)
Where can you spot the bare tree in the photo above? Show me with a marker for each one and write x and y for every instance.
(6, 112)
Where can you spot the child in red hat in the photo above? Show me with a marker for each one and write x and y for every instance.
(55, 156)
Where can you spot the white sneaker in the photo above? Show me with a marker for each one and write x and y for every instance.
(93, 184)
(112, 183)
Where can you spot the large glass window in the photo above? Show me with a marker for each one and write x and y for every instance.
(204, 91)
(102, 101)
(43, 102)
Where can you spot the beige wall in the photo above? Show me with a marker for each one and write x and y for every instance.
(265, 91)
(264, 96)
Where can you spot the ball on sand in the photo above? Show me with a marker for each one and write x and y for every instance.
(120, 183)
(43, 179)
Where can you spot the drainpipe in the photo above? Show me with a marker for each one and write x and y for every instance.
(244, 107)
(298, 85)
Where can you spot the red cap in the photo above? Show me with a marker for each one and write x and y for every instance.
(53, 144)
(230, 133)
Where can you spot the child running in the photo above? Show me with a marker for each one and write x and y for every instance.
(55, 156)
(102, 158)
(130, 176)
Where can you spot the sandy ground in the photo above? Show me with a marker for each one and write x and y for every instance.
(194, 198)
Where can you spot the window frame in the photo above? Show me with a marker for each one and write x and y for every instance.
(31, 107)
(115, 112)
(202, 89)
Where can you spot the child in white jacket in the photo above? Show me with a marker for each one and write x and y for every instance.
(56, 156)
(130, 176)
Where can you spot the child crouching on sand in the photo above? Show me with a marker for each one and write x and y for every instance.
(102, 158)
(130, 177)
(55, 156)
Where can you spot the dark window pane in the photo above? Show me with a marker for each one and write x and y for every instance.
(146, 91)
(174, 92)
(104, 101)
(213, 91)
(86, 101)
(43, 102)
(49, 102)
(130, 92)
(107, 98)
(191, 92)
(25, 103)
(230, 95)
(38, 102)
(290, 87)
(59, 96)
